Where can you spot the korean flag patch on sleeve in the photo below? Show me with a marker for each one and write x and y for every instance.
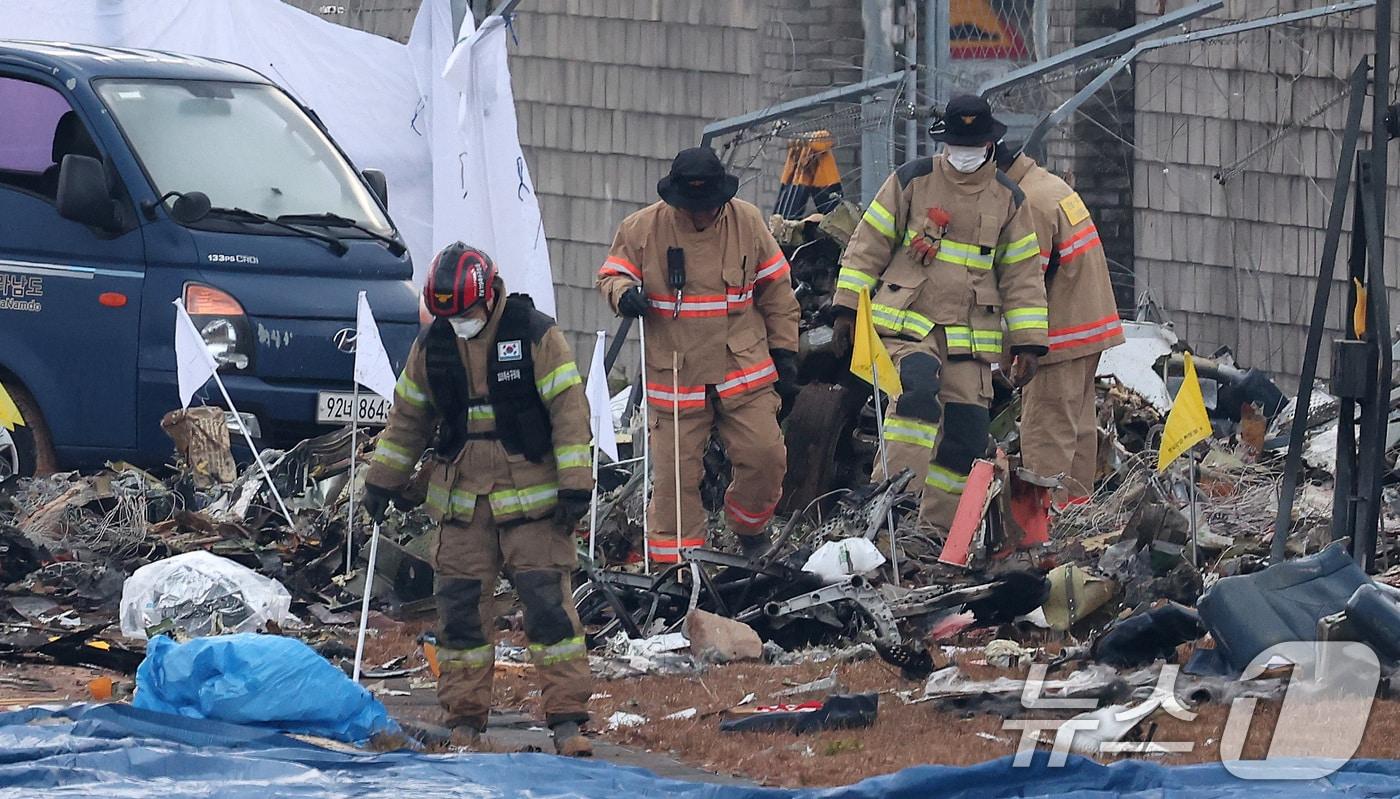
(509, 350)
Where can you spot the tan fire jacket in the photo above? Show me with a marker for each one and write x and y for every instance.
(516, 487)
(987, 264)
(1083, 311)
(737, 303)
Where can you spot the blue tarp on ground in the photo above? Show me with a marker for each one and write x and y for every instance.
(121, 751)
(261, 680)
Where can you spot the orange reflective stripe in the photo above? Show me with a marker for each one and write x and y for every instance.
(691, 307)
(620, 266)
(772, 269)
(746, 519)
(683, 396)
(1086, 333)
(663, 547)
(1079, 243)
(746, 379)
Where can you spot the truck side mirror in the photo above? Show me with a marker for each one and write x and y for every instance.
(83, 195)
(378, 184)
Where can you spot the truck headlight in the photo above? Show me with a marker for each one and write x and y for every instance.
(222, 324)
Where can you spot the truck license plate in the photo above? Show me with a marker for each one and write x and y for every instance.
(339, 407)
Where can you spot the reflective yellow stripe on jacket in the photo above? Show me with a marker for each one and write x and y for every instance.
(882, 220)
(554, 383)
(398, 458)
(909, 431)
(518, 502)
(409, 391)
(573, 456)
(1028, 319)
(898, 322)
(1027, 246)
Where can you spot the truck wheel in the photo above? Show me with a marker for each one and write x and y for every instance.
(27, 450)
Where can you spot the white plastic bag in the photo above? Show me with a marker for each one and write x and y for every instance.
(836, 561)
(201, 594)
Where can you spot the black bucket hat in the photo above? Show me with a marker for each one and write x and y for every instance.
(697, 181)
(967, 121)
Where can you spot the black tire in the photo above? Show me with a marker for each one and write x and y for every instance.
(28, 449)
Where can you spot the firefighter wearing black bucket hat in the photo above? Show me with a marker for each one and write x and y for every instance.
(492, 387)
(948, 252)
(721, 334)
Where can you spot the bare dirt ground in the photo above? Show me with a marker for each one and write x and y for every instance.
(904, 734)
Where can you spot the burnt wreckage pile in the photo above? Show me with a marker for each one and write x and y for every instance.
(1117, 581)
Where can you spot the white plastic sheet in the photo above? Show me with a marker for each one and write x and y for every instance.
(201, 594)
(454, 174)
(837, 561)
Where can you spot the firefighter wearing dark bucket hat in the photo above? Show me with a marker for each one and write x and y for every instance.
(948, 253)
(721, 329)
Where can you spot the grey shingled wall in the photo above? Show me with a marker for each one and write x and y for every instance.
(608, 90)
(1232, 262)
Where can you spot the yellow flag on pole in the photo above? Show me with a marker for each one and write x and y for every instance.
(868, 355)
(1187, 422)
(9, 414)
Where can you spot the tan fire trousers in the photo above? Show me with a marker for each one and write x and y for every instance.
(938, 426)
(538, 557)
(747, 425)
(1059, 427)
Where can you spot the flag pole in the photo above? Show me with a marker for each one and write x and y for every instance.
(646, 452)
(354, 455)
(676, 440)
(1195, 551)
(257, 456)
(364, 601)
(593, 509)
(884, 465)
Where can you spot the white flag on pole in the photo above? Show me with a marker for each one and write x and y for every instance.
(599, 402)
(193, 363)
(372, 369)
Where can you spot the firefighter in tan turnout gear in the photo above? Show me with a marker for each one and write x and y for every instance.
(947, 251)
(1059, 429)
(720, 319)
(492, 387)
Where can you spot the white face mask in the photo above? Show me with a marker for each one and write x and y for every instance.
(966, 159)
(467, 327)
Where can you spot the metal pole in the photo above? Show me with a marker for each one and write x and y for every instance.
(938, 54)
(646, 452)
(1195, 551)
(354, 453)
(1341, 188)
(364, 601)
(884, 462)
(911, 57)
(257, 456)
(676, 438)
(593, 508)
(1373, 466)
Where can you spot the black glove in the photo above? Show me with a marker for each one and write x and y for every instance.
(785, 361)
(570, 506)
(843, 331)
(1024, 367)
(633, 302)
(376, 502)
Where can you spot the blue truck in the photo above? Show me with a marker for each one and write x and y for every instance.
(129, 178)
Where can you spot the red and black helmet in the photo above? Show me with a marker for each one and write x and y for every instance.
(461, 277)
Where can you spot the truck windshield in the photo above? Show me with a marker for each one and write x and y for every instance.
(246, 145)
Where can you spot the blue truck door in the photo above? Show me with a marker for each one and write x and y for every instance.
(70, 295)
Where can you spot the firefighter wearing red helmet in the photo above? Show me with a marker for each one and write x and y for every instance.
(491, 387)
